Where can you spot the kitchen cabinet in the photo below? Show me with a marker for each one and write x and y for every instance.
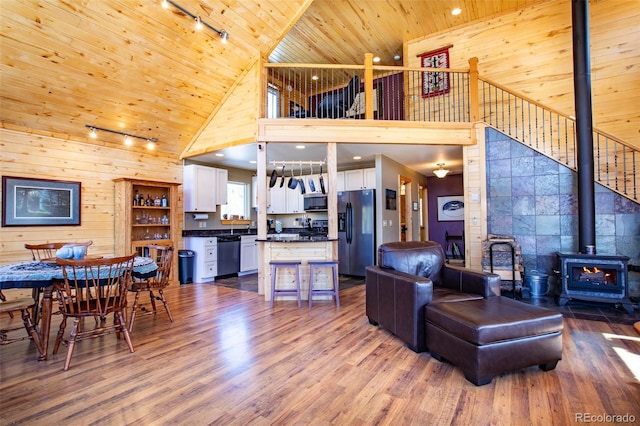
(206, 257)
(360, 179)
(340, 181)
(222, 177)
(277, 199)
(295, 203)
(138, 224)
(284, 200)
(204, 188)
(254, 191)
(248, 254)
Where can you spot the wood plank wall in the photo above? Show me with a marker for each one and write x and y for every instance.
(531, 52)
(235, 122)
(29, 155)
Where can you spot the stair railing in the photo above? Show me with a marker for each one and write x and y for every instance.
(552, 133)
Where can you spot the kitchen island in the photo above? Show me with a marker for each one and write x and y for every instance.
(294, 248)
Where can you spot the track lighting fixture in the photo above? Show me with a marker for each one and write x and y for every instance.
(127, 136)
(224, 35)
(441, 171)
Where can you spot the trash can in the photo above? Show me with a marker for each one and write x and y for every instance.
(185, 266)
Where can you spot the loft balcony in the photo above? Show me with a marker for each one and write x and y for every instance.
(425, 106)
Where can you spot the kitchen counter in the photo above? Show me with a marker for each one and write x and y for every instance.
(216, 232)
(296, 239)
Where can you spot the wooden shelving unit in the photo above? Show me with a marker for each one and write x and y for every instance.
(139, 225)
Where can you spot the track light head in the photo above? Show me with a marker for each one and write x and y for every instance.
(198, 23)
(224, 35)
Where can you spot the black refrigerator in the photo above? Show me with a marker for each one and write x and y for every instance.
(356, 231)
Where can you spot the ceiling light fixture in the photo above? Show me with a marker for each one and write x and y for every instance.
(224, 35)
(357, 157)
(151, 144)
(397, 57)
(457, 11)
(127, 136)
(376, 59)
(441, 171)
(165, 4)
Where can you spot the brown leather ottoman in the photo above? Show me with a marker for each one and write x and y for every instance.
(489, 336)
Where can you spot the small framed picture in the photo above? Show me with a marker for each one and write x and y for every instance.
(450, 208)
(390, 199)
(415, 206)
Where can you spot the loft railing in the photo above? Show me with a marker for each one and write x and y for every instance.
(445, 95)
(395, 93)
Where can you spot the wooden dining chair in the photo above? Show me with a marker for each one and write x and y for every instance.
(46, 251)
(21, 306)
(163, 256)
(93, 288)
(39, 253)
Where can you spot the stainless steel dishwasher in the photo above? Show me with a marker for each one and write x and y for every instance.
(228, 255)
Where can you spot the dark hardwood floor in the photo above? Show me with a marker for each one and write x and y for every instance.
(229, 359)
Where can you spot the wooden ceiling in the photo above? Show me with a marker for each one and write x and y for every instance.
(132, 66)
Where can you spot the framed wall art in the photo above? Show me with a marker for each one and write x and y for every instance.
(450, 208)
(435, 83)
(40, 202)
(390, 199)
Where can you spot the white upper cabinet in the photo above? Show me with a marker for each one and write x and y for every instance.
(359, 179)
(204, 188)
(222, 176)
(284, 200)
(340, 181)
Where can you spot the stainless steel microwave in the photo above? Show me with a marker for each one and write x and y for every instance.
(315, 202)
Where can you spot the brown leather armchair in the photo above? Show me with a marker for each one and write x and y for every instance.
(409, 276)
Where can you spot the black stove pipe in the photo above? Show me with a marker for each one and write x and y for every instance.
(584, 126)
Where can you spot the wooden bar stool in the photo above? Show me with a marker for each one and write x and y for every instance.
(333, 291)
(278, 264)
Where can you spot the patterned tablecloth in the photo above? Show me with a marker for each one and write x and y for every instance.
(43, 274)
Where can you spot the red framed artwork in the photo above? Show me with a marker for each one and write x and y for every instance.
(435, 83)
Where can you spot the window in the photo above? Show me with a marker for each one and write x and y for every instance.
(237, 200)
(273, 101)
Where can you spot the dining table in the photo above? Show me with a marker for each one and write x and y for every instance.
(43, 275)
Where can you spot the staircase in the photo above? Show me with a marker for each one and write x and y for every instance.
(553, 134)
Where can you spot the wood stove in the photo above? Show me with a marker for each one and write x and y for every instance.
(595, 278)
(585, 275)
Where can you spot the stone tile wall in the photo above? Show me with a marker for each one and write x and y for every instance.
(534, 199)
